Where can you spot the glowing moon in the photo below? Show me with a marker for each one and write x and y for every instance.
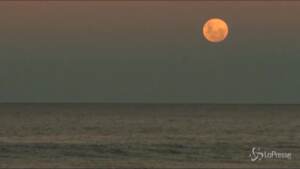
(215, 30)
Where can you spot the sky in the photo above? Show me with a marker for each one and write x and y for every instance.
(149, 52)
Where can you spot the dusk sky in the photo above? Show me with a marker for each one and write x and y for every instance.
(149, 52)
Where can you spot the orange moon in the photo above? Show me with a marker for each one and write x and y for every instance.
(215, 30)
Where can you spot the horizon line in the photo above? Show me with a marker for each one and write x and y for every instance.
(170, 103)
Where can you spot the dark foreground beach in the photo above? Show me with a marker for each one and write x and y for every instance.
(147, 135)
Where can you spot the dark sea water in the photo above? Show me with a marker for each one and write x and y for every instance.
(60, 135)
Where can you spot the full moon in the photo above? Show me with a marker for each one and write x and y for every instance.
(215, 30)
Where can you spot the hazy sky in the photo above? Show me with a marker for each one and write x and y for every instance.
(148, 52)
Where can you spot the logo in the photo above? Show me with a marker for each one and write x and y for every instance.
(257, 155)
